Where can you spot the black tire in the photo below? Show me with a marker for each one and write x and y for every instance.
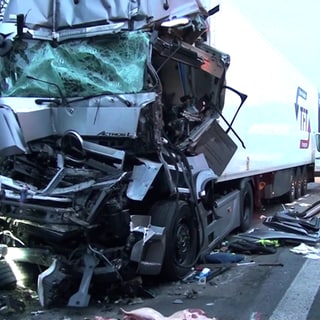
(246, 205)
(298, 181)
(304, 184)
(7, 278)
(181, 237)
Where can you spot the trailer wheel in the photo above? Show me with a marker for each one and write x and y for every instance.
(247, 205)
(290, 196)
(7, 278)
(298, 189)
(298, 181)
(181, 237)
(304, 184)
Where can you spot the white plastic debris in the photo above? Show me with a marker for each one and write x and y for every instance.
(304, 249)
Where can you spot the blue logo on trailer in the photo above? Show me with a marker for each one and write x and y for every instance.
(305, 125)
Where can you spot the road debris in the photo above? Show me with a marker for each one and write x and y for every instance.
(284, 222)
(10, 305)
(36, 313)
(177, 301)
(247, 264)
(223, 257)
(151, 314)
(307, 251)
(242, 243)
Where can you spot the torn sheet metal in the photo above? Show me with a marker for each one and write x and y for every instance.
(284, 222)
(312, 211)
(11, 138)
(142, 177)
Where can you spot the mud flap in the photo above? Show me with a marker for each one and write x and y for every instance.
(149, 251)
(55, 284)
(50, 285)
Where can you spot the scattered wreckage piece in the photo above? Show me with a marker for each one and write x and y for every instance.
(242, 245)
(282, 236)
(8, 279)
(251, 264)
(220, 262)
(307, 251)
(152, 314)
(10, 305)
(311, 211)
(282, 221)
(223, 257)
(284, 226)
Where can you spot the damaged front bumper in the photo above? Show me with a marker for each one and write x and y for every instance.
(69, 282)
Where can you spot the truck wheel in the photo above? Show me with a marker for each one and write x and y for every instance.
(7, 278)
(181, 237)
(246, 205)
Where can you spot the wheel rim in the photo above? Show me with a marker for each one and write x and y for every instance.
(183, 242)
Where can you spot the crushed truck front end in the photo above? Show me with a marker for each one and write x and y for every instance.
(107, 126)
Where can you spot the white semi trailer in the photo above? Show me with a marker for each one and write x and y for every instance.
(279, 119)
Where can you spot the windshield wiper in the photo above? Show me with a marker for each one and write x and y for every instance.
(64, 100)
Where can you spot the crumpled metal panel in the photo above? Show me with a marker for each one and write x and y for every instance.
(91, 120)
(142, 178)
(104, 10)
(35, 121)
(11, 139)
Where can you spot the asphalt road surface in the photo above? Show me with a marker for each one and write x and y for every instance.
(288, 289)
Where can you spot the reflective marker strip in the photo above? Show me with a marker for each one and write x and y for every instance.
(298, 299)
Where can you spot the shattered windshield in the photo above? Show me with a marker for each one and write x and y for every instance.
(80, 68)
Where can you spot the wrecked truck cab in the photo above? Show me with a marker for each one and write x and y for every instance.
(109, 127)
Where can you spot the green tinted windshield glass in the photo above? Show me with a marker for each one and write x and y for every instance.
(80, 67)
